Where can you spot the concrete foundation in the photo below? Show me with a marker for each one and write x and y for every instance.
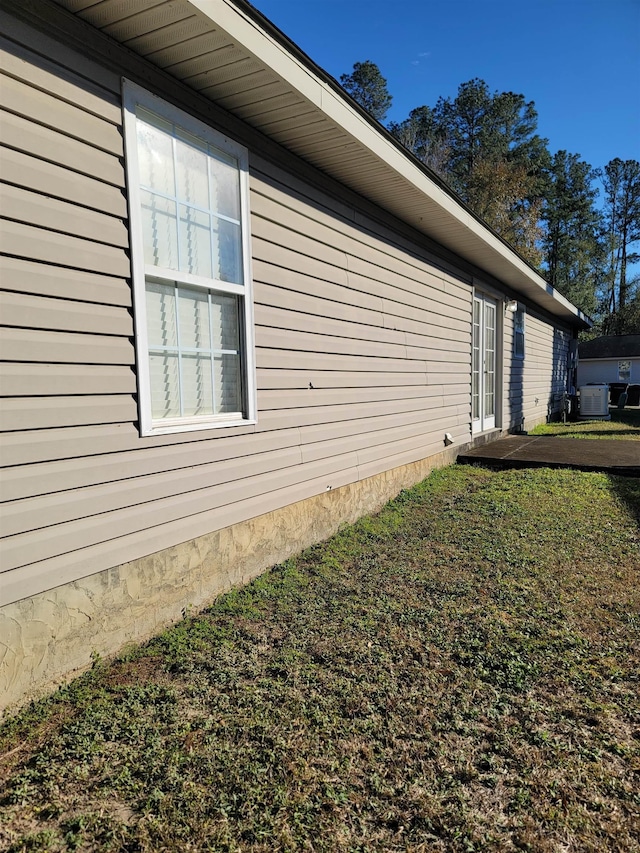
(48, 639)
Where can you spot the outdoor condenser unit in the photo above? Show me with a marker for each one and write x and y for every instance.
(594, 403)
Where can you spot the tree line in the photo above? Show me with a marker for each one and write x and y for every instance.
(486, 147)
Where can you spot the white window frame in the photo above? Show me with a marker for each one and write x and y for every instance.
(132, 97)
(519, 332)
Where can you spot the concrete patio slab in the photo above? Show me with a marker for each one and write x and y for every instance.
(543, 451)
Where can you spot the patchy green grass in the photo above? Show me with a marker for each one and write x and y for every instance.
(457, 673)
(624, 425)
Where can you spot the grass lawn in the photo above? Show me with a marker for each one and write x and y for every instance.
(624, 425)
(457, 673)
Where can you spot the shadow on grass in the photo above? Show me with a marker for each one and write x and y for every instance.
(631, 417)
(626, 418)
(627, 490)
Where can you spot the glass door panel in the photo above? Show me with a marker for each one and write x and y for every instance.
(483, 364)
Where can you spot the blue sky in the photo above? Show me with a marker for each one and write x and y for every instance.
(578, 60)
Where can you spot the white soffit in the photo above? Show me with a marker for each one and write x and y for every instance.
(220, 50)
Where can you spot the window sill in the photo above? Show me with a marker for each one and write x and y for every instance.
(196, 426)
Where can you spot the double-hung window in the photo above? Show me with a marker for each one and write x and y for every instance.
(189, 217)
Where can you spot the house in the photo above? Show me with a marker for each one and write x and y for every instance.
(610, 360)
(237, 314)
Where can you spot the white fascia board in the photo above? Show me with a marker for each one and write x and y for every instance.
(289, 68)
(357, 126)
(569, 306)
(232, 20)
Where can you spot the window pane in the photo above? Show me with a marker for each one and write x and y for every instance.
(227, 251)
(193, 177)
(195, 242)
(475, 362)
(227, 383)
(489, 359)
(160, 233)
(161, 315)
(489, 404)
(197, 390)
(225, 322)
(490, 326)
(165, 394)
(489, 394)
(193, 306)
(155, 156)
(475, 384)
(225, 190)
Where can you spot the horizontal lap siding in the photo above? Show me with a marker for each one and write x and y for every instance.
(547, 349)
(362, 348)
(513, 379)
(534, 385)
(341, 343)
(362, 344)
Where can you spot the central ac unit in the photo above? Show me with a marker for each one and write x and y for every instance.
(594, 403)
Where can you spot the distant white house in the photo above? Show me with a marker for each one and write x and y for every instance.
(608, 359)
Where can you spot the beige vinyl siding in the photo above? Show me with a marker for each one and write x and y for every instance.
(43, 107)
(55, 380)
(24, 276)
(35, 345)
(63, 315)
(47, 144)
(534, 385)
(362, 348)
(545, 369)
(512, 378)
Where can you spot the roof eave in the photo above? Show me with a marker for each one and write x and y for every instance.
(231, 54)
(444, 217)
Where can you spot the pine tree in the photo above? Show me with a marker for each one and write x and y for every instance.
(485, 146)
(368, 87)
(621, 181)
(496, 160)
(463, 123)
(571, 246)
(421, 135)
